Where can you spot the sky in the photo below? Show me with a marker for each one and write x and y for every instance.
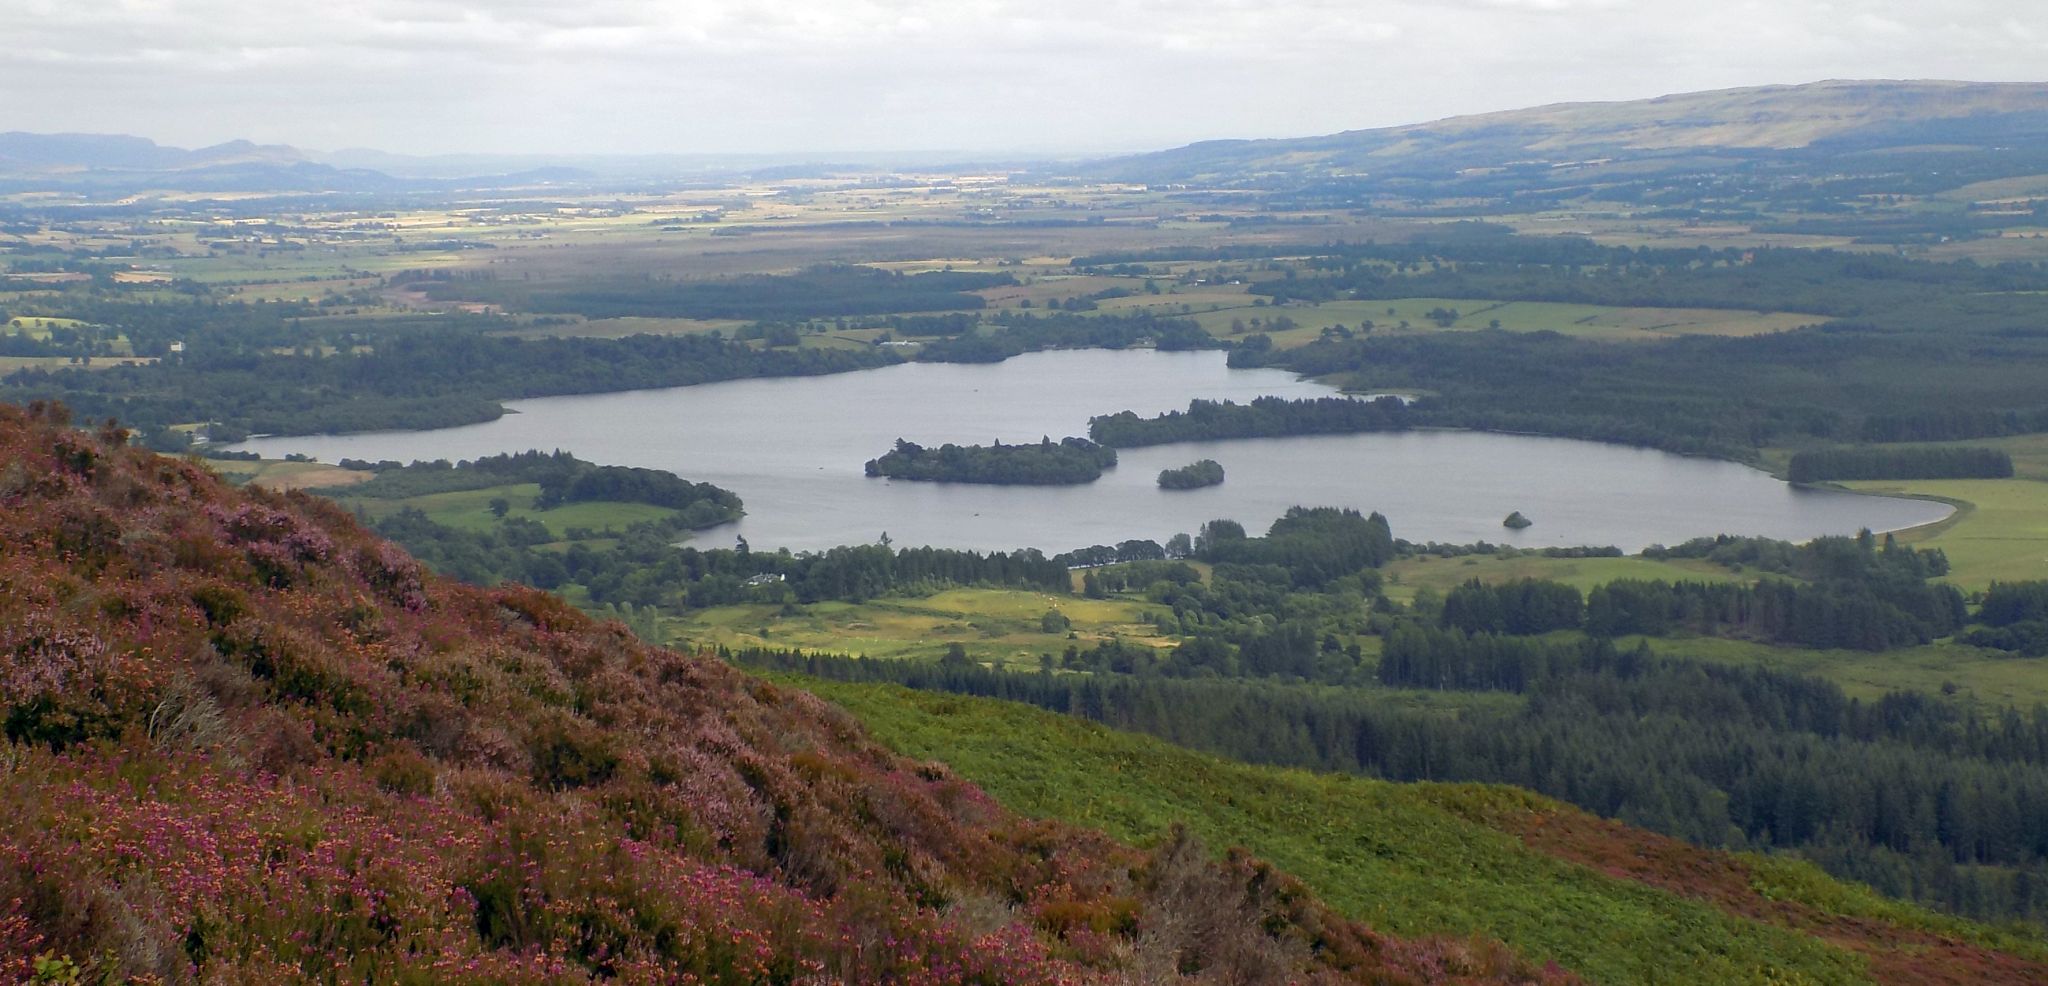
(1049, 77)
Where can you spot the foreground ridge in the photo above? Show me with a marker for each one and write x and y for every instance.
(247, 741)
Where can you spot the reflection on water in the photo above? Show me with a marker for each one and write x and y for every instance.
(793, 450)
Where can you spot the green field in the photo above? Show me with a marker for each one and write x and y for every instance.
(619, 328)
(1411, 859)
(9, 364)
(1218, 310)
(1981, 554)
(301, 289)
(38, 327)
(1994, 677)
(470, 510)
(997, 626)
(467, 510)
(2000, 529)
(1407, 575)
(1999, 532)
(278, 475)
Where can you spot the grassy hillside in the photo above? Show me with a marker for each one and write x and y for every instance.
(1615, 904)
(1686, 129)
(246, 742)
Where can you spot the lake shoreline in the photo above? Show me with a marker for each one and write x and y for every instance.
(794, 448)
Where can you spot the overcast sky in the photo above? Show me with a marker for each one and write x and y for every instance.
(580, 76)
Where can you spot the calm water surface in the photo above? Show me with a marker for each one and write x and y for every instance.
(793, 449)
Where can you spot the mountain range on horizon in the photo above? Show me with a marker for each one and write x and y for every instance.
(1813, 120)
(1839, 116)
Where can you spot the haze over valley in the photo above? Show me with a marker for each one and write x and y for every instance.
(927, 493)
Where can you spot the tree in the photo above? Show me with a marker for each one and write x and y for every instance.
(1216, 532)
(500, 506)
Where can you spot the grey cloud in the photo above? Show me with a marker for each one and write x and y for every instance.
(649, 75)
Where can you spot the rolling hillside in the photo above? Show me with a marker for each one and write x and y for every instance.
(1609, 902)
(247, 742)
(1822, 119)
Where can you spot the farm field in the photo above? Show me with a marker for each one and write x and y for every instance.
(280, 475)
(470, 510)
(1221, 313)
(1993, 677)
(996, 626)
(619, 328)
(466, 510)
(1999, 531)
(38, 327)
(1409, 575)
(9, 364)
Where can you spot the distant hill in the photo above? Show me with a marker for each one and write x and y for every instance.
(1818, 119)
(61, 153)
(118, 164)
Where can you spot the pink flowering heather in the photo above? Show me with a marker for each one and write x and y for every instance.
(246, 742)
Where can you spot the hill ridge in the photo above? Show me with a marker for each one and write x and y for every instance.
(1782, 118)
(247, 741)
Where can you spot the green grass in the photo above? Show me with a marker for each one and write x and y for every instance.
(619, 328)
(9, 364)
(470, 510)
(1217, 312)
(1409, 859)
(1991, 676)
(38, 327)
(1404, 577)
(282, 475)
(1999, 531)
(997, 626)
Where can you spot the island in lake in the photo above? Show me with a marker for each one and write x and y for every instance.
(1193, 476)
(1064, 463)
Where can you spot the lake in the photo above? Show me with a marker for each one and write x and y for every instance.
(794, 449)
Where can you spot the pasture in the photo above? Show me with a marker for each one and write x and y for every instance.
(996, 626)
(470, 510)
(1404, 578)
(9, 364)
(1998, 533)
(276, 475)
(1993, 677)
(1225, 311)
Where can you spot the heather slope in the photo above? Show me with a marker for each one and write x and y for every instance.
(247, 742)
